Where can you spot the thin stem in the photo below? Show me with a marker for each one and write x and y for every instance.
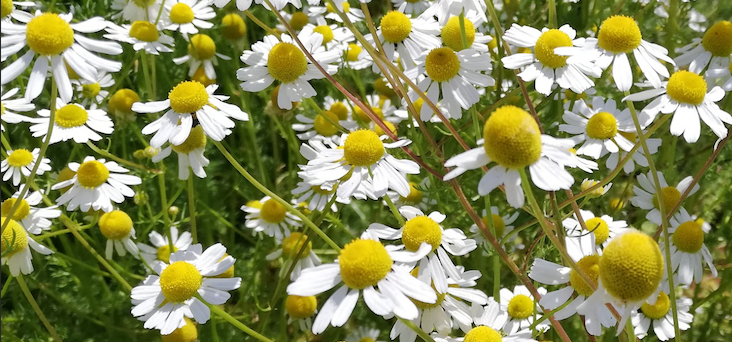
(496, 261)
(552, 14)
(36, 308)
(394, 210)
(247, 330)
(164, 203)
(192, 209)
(106, 154)
(421, 333)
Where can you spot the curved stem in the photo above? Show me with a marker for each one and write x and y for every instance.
(36, 308)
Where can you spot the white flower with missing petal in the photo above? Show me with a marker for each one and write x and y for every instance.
(269, 216)
(688, 252)
(143, 35)
(118, 228)
(662, 318)
(201, 53)
(296, 249)
(714, 49)
(603, 228)
(187, 16)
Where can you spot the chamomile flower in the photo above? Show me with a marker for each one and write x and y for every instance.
(189, 101)
(337, 107)
(638, 157)
(93, 90)
(452, 36)
(364, 334)
(29, 215)
(291, 246)
(282, 60)
(544, 65)
(381, 106)
(599, 127)
(95, 185)
(416, 198)
(143, 35)
(715, 48)
(512, 139)
(364, 265)
(325, 126)
(160, 250)
(316, 196)
(685, 96)
(356, 57)
(688, 252)
(603, 228)
(9, 107)
(408, 37)
(120, 105)
(301, 309)
(57, 43)
(10, 11)
(521, 306)
(187, 16)
(662, 318)
(72, 121)
(334, 37)
(134, 10)
(21, 162)
(15, 252)
(297, 20)
(413, 7)
(588, 183)
(164, 299)
(269, 216)
(647, 196)
(489, 326)
(502, 225)
(354, 14)
(723, 73)
(444, 9)
(190, 154)
(201, 53)
(118, 228)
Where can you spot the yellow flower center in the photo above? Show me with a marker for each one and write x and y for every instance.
(323, 124)
(6, 7)
(326, 31)
(364, 263)
(254, 204)
(187, 333)
(392, 128)
(483, 333)
(687, 87)
(569, 94)
(272, 211)
(144, 31)
(421, 229)
(331, 9)
(115, 225)
(590, 183)
(600, 228)
(631, 266)
(122, 100)
(590, 265)
(423, 305)
(20, 157)
(188, 97)
(92, 174)
(395, 26)
(200, 77)
(512, 138)
(196, 139)
(658, 310)
(718, 39)
(90, 90)
(292, 244)
(181, 13)
(14, 238)
(414, 197)
(202, 47)
(442, 64)
(48, 34)
(300, 307)
(363, 148)
(164, 253)
(689, 237)
(602, 126)
(545, 45)
(180, 281)
(352, 53)
(65, 175)
(498, 224)
(233, 26)
(364, 117)
(340, 110)
(286, 63)
(71, 115)
(299, 20)
(20, 213)
(452, 36)
(670, 197)
(520, 307)
(619, 34)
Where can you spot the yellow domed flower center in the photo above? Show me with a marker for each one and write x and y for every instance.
(520, 307)
(631, 267)
(687, 87)
(292, 244)
(363, 148)
(200, 77)
(301, 307)
(340, 110)
(196, 139)
(421, 229)
(49, 35)
(395, 26)
(600, 228)
(619, 34)
(299, 20)
(324, 124)
(115, 225)
(202, 47)
(658, 310)
(180, 281)
(122, 100)
(452, 36)
(286, 63)
(364, 117)
(326, 31)
(90, 90)
(181, 13)
(379, 131)
(71, 115)
(483, 333)
(670, 197)
(512, 138)
(442, 64)
(144, 31)
(188, 97)
(272, 211)
(718, 39)
(233, 26)
(423, 305)
(590, 265)
(602, 126)
(92, 174)
(14, 238)
(164, 253)
(364, 263)
(498, 224)
(689, 237)
(20, 157)
(352, 53)
(187, 333)
(20, 213)
(6, 7)
(414, 197)
(254, 204)
(545, 45)
(331, 9)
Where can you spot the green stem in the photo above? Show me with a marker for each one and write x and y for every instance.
(394, 211)
(192, 208)
(106, 154)
(37, 309)
(552, 14)
(247, 330)
(496, 260)
(421, 333)
(164, 203)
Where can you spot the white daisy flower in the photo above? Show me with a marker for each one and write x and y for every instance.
(638, 156)
(282, 60)
(118, 228)
(416, 198)
(15, 251)
(269, 216)
(685, 95)
(502, 225)
(34, 219)
(337, 107)
(72, 121)
(190, 101)
(715, 48)
(57, 44)
(160, 250)
(405, 36)
(364, 334)
(489, 325)
(602, 228)
(190, 154)
(662, 318)
(334, 37)
(291, 246)
(354, 14)
(201, 53)
(143, 35)
(162, 301)
(364, 265)
(588, 183)
(316, 197)
(10, 11)
(599, 127)
(647, 197)
(95, 185)
(544, 65)
(297, 20)
(132, 10)
(413, 7)
(512, 139)
(583, 164)
(93, 90)
(21, 162)
(187, 16)
(688, 252)
(452, 36)
(723, 73)
(356, 58)
(444, 9)
(521, 309)
(9, 107)
(325, 126)
(301, 309)
(381, 106)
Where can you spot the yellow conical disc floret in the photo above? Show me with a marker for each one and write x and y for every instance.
(6, 7)
(423, 305)
(49, 35)
(92, 174)
(326, 31)
(380, 131)
(331, 9)
(483, 333)
(363, 148)
(442, 64)
(364, 263)
(122, 100)
(300, 307)
(600, 228)
(286, 63)
(196, 139)
(181, 13)
(292, 245)
(352, 53)
(415, 195)
(670, 197)
(718, 39)
(658, 310)
(202, 47)
(520, 307)
(188, 97)
(364, 117)
(201, 77)
(512, 138)
(590, 265)
(20, 157)
(180, 281)
(233, 26)
(14, 238)
(395, 26)
(498, 224)
(619, 34)
(631, 267)
(164, 253)
(686, 87)
(71, 115)
(602, 126)
(144, 31)
(90, 90)
(20, 213)
(421, 229)
(272, 211)
(324, 123)
(688, 237)
(115, 225)
(299, 20)
(452, 35)
(545, 45)
(187, 333)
